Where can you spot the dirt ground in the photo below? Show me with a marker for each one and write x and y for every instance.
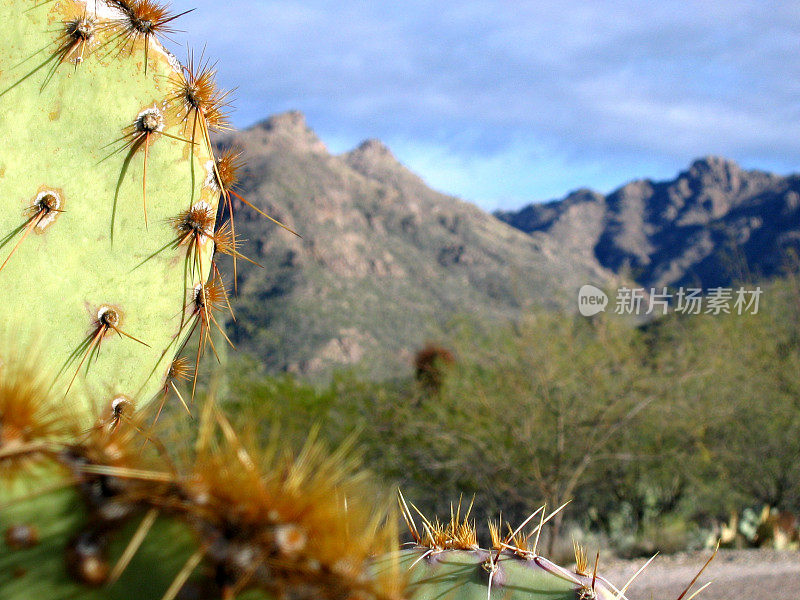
(736, 575)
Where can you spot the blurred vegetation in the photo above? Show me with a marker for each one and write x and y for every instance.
(655, 433)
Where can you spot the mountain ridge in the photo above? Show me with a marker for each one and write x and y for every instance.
(386, 263)
(712, 224)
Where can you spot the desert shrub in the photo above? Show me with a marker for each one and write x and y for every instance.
(661, 428)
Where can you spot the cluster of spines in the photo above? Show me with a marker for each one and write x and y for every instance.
(28, 425)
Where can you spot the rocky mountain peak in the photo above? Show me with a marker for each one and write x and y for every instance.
(715, 171)
(714, 164)
(373, 149)
(373, 158)
(292, 127)
(385, 262)
(289, 121)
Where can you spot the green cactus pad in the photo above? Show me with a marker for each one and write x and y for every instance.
(73, 135)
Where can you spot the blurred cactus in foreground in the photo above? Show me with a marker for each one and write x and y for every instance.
(106, 512)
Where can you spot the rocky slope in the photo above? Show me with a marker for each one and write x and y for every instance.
(384, 262)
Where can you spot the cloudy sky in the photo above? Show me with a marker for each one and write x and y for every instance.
(510, 101)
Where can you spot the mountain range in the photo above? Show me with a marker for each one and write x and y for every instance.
(385, 263)
(713, 224)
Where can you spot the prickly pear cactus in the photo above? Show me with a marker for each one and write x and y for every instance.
(108, 200)
(108, 194)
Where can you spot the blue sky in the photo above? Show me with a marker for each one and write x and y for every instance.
(509, 102)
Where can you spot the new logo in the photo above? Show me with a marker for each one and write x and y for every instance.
(591, 300)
